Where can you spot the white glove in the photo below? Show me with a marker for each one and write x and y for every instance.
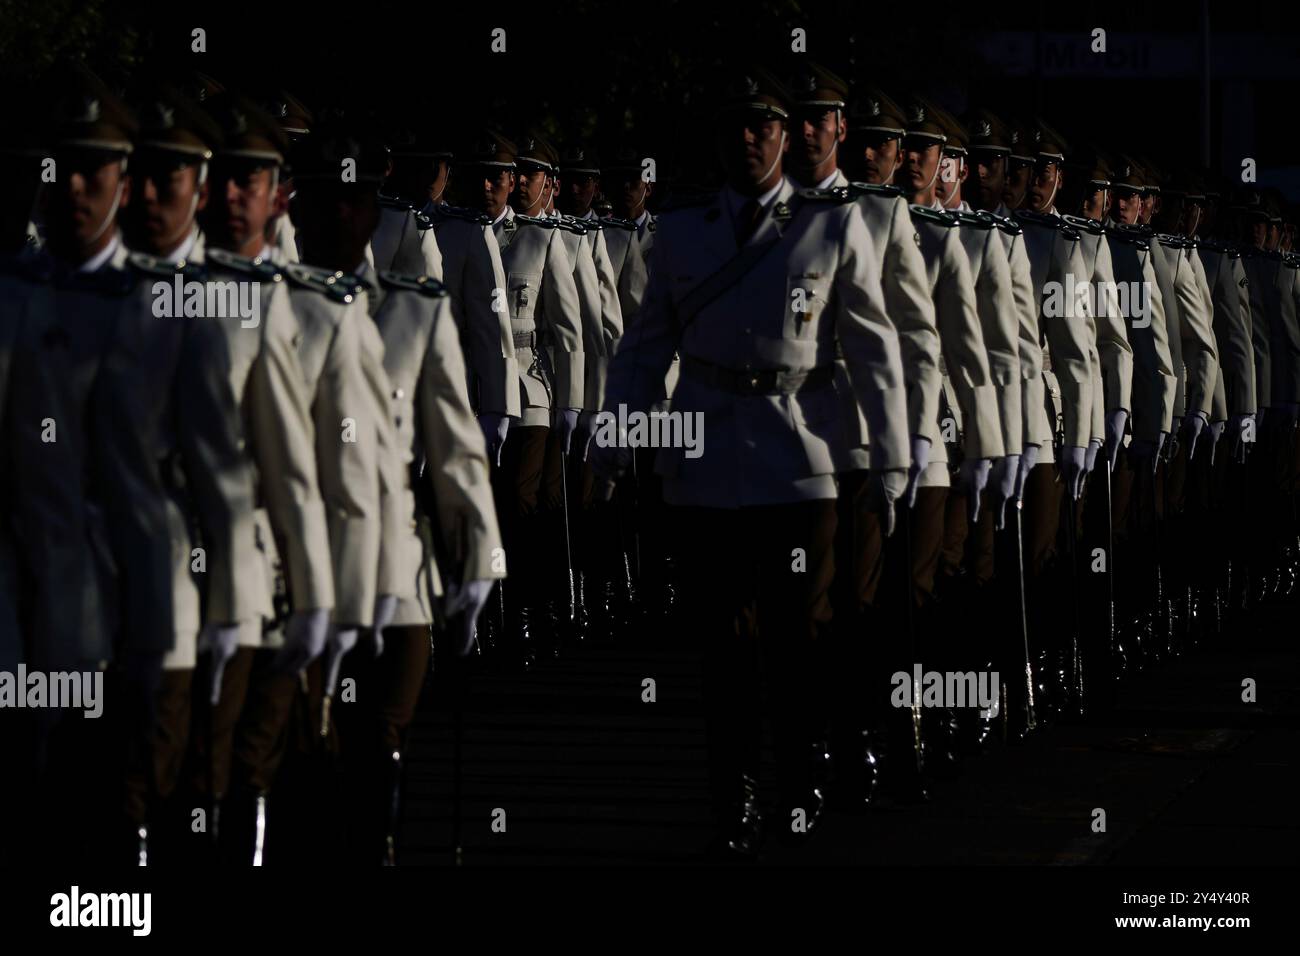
(920, 459)
(222, 640)
(1116, 422)
(883, 489)
(304, 639)
(1193, 425)
(468, 602)
(974, 476)
(1004, 476)
(1143, 451)
(609, 461)
(1237, 428)
(385, 611)
(1090, 456)
(1028, 460)
(567, 420)
(586, 428)
(495, 427)
(337, 646)
(1216, 432)
(1073, 470)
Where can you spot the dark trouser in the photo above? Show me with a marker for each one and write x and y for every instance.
(756, 610)
(154, 770)
(373, 734)
(517, 486)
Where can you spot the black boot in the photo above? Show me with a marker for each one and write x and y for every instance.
(581, 626)
(739, 826)
(391, 782)
(242, 837)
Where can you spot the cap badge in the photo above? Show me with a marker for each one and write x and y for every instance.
(89, 110)
(984, 129)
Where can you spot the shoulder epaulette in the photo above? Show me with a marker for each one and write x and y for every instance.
(590, 225)
(871, 189)
(1091, 226)
(836, 194)
(262, 269)
(393, 202)
(422, 284)
(339, 286)
(458, 212)
(1005, 223)
(154, 266)
(1291, 260)
(942, 217)
(1130, 234)
(422, 222)
(550, 222)
(977, 220)
(1170, 240)
(1046, 220)
(613, 222)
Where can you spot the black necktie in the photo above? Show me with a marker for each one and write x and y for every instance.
(747, 221)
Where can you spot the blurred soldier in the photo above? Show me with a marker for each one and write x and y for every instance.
(22, 279)
(758, 509)
(279, 543)
(150, 457)
(62, 315)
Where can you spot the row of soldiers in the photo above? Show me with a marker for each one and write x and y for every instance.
(238, 515)
(977, 401)
(265, 394)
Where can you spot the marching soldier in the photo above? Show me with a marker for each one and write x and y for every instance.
(1154, 389)
(295, 121)
(969, 421)
(1036, 491)
(970, 564)
(147, 461)
(761, 373)
(404, 240)
(62, 318)
(1196, 364)
(415, 375)
(862, 553)
(475, 281)
(1080, 187)
(280, 546)
(544, 310)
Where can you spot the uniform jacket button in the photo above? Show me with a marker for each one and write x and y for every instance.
(399, 393)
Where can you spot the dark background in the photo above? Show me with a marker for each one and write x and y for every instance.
(588, 69)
